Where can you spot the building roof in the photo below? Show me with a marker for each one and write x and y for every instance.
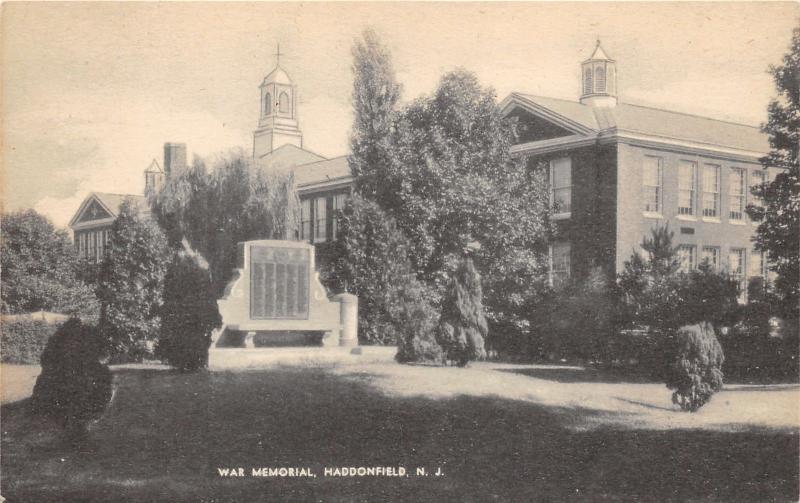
(288, 156)
(154, 167)
(277, 76)
(322, 171)
(599, 54)
(111, 203)
(625, 117)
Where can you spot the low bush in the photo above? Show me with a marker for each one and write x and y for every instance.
(74, 387)
(696, 371)
(24, 340)
(188, 315)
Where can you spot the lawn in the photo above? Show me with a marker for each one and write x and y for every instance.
(496, 432)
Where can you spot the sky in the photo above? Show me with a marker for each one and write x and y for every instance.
(92, 91)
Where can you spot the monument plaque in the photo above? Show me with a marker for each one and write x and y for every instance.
(278, 283)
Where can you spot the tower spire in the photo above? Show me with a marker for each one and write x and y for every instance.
(278, 55)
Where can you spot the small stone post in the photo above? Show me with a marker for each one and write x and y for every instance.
(348, 319)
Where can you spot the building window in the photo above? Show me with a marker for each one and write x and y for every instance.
(339, 201)
(559, 263)
(651, 184)
(686, 254)
(283, 103)
(561, 185)
(687, 175)
(600, 79)
(711, 257)
(267, 104)
(320, 219)
(757, 177)
(711, 191)
(759, 265)
(736, 268)
(736, 185)
(305, 219)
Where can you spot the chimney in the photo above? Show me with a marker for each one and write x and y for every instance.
(174, 158)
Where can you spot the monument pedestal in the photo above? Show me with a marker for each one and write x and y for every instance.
(276, 297)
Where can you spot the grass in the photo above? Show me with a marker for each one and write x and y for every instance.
(498, 432)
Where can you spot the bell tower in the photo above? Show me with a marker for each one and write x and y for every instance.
(277, 123)
(599, 79)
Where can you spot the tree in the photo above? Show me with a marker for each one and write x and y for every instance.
(462, 327)
(649, 284)
(373, 264)
(451, 180)
(779, 231)
(74, 387)
(188, 315)
(375, 96)
(215, 209)
(131, 284)
(40, 268)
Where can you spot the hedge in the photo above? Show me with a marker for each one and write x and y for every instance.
(22, 341)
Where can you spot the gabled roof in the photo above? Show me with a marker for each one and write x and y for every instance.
(322, 171)
(629, 118)
(288, 156)
(110, 202)
(154, 168)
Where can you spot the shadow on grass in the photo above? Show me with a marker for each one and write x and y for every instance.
(166, 433)
(580, 375)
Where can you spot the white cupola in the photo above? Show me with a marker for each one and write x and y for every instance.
(599, 79)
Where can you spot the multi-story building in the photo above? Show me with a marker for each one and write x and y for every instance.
(617, 170)
(91, 224)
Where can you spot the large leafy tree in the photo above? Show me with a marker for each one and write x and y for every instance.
(779, 231)
(131, 283)
(214, 209)
(39, 268)
(455, 182)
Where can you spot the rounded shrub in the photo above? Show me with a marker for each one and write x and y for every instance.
(74, 387)
(24, 340)
(188, 315)
(696, 372)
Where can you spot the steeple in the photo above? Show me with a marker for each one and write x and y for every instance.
(599, 79)
(277, 123)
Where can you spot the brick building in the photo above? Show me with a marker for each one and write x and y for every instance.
(617, 170)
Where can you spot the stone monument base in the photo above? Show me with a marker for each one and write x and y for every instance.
(302, 357)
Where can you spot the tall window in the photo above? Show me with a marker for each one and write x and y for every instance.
(305, 219)
(687, 176)
(736, 267)
(267, 104)
(561, 185)
(736, 185)
(757, 177)
(283, 103)
(711, 190)
(759, 265)
(711, 256)
(651, 184)
(560, 263)
(339, 201)
(686, 253)
(320, 219)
